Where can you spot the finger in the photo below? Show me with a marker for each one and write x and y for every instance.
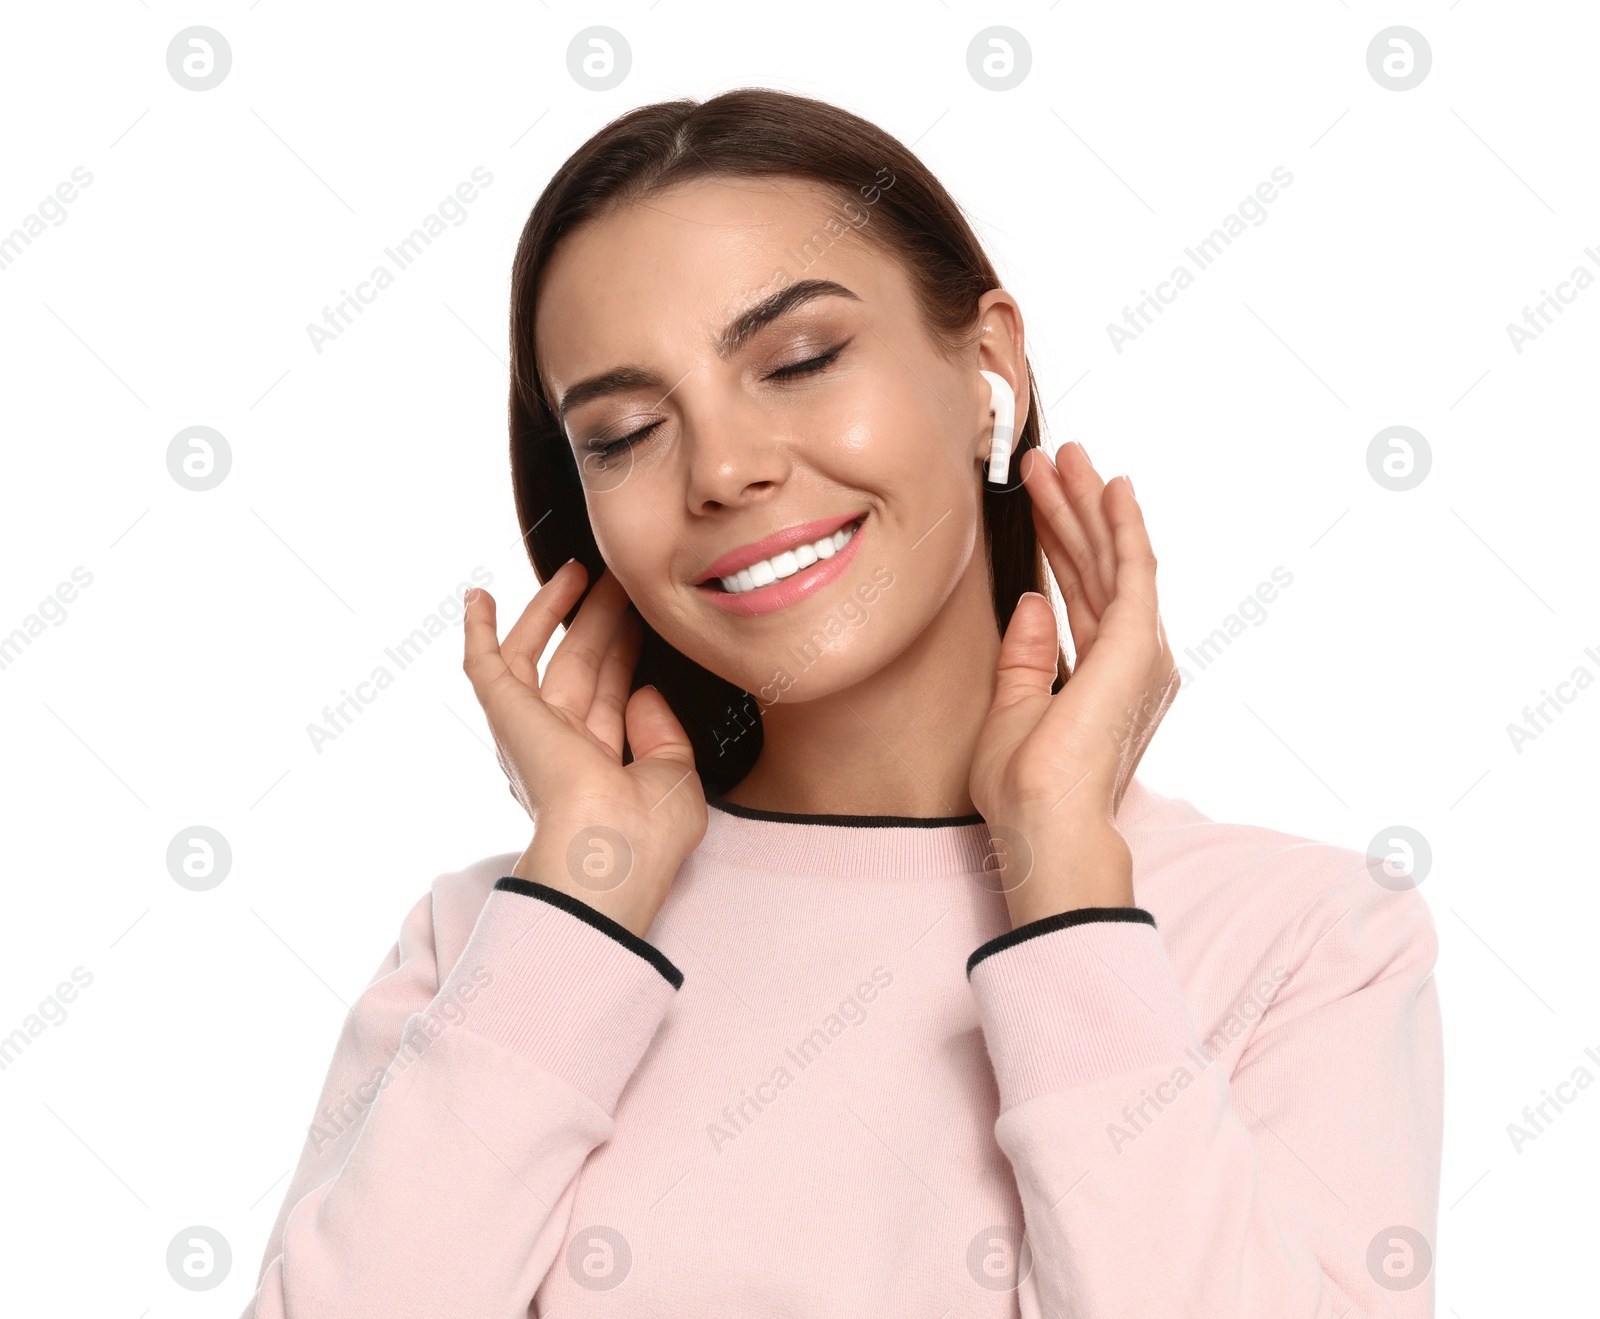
(1027, 664)
(1136, 559)
(655, 734)
(1137, 640)
(482, 660)
(1081, 620)
(574, 670)
(1048, 489)
(531, 633)
(505, 698)
(1086, 490)
(1129, 641)
(1130, 664)
(481, 639)
(616, 677)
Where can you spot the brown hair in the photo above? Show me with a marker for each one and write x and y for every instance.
(751, 132)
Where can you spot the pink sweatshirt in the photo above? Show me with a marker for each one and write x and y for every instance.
(835, 1082)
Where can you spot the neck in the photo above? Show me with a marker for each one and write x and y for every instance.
(901, 741)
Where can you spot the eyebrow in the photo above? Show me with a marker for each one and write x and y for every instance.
(738, 332)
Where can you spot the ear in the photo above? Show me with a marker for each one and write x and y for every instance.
(999, 348)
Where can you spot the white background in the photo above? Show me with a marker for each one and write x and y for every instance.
(370, 479)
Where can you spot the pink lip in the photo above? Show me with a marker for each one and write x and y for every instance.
(777, 543)
(780, 595)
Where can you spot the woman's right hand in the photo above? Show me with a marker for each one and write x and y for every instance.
(611, 835)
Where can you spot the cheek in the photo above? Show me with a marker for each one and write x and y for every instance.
(896, 430)
(872, 426)
(638, 559)
(855, 440)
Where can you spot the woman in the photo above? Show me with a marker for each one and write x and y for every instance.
(849, 970)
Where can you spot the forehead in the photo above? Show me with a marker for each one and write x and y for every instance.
(673, 269)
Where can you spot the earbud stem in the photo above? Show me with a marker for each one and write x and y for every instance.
(1003, 408)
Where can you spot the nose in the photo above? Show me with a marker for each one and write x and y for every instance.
(735, 457)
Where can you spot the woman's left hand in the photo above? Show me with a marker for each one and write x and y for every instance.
(1049, 772)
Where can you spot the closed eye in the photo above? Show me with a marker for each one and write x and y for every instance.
(794, 370)
(810, 365)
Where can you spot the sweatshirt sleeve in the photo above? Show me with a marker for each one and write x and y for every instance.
(1292, 1176)
(440, 1166)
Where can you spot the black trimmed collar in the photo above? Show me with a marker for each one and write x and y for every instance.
(851, 821)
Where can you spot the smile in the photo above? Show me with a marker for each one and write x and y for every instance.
(780, 566)
(788, 576)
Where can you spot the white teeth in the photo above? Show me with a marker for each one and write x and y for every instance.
(788, 563)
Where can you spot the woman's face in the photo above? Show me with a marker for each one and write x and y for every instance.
(837, 415)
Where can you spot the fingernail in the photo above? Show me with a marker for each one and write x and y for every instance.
(1084, 452)
(1129, 480)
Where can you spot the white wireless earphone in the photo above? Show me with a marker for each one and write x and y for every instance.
(1003, 408)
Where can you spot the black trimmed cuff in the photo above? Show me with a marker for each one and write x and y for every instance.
(532, 888)
(1049, 924)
